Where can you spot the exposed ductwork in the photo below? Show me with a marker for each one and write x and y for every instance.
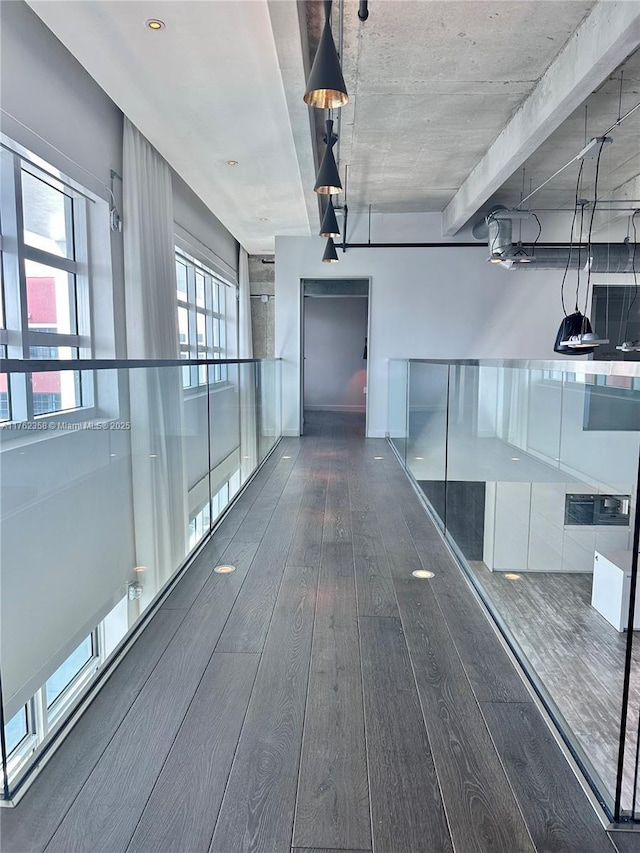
(602, 258)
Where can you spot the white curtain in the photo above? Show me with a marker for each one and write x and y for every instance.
(245, 343)
(156, 398)
(248, 373)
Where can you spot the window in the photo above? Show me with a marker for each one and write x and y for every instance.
(203, 306)
(16, 730)
(66, 674)
(28, 730)
(44, 294)
(200, 523)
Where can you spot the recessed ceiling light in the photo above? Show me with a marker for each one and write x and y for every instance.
(378, 457)
(512, 576)
(419, 458)
(422, 573)
(515, 458)
(263, 219)
(140, 569)
(232, 162)
(224, 570)
(155, 24)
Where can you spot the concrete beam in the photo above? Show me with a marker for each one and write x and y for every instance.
(603, 41)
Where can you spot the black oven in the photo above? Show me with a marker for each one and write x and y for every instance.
(597, 510)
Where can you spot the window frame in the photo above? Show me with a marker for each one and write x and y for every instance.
(215, 316)
(16, 338)
(42, 720)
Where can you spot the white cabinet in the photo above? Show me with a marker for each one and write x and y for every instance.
(524, 530)
(611, 588)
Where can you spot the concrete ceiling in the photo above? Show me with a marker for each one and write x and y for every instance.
(620, 162)
(435, 86)
(431, 86)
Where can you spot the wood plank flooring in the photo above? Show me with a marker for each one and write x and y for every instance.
(319, 699)
(578, 656)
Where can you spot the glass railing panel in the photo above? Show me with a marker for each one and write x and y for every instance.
(269, 414)
(397, 403)
(426, 447)
(100, 506)
(250, 414)
(537, 468)
(599, 453)
(229, 417)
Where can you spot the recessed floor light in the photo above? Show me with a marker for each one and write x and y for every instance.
(422, 573)
(512, 576)
(155, 24)
(224, 570)
(232, 162)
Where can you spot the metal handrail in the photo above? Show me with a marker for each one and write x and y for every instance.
(604, 368)
(19, 365)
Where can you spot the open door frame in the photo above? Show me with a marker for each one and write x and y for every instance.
(302, 356)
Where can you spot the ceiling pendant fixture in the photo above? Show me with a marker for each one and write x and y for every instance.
(325, 87)
(628, 345)
(329, 226)
(328, 180)
(575, 333)
(330, 255)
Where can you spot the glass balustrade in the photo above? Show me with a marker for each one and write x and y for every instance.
(101, 507)
(531, 471)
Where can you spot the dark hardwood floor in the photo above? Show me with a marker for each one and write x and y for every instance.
(319, 699)
(579, 658)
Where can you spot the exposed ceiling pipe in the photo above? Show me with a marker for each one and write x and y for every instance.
(602, 257)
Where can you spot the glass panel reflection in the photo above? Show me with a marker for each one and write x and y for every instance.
(532, 472)
(122, 498)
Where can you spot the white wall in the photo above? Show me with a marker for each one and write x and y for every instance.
(425, 303)
(334, 336)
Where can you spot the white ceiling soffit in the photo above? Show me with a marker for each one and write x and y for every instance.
(204, 90)
(601, 43)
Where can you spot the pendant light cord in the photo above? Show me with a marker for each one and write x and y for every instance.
(573, 223)
(577, 308)
(635, 274)
(593, 213)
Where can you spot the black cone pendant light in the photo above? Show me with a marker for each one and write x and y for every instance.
(325, 87)
(329, 227)
(328, 180)
(330, 255)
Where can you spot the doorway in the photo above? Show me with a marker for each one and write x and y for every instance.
(335, 346)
